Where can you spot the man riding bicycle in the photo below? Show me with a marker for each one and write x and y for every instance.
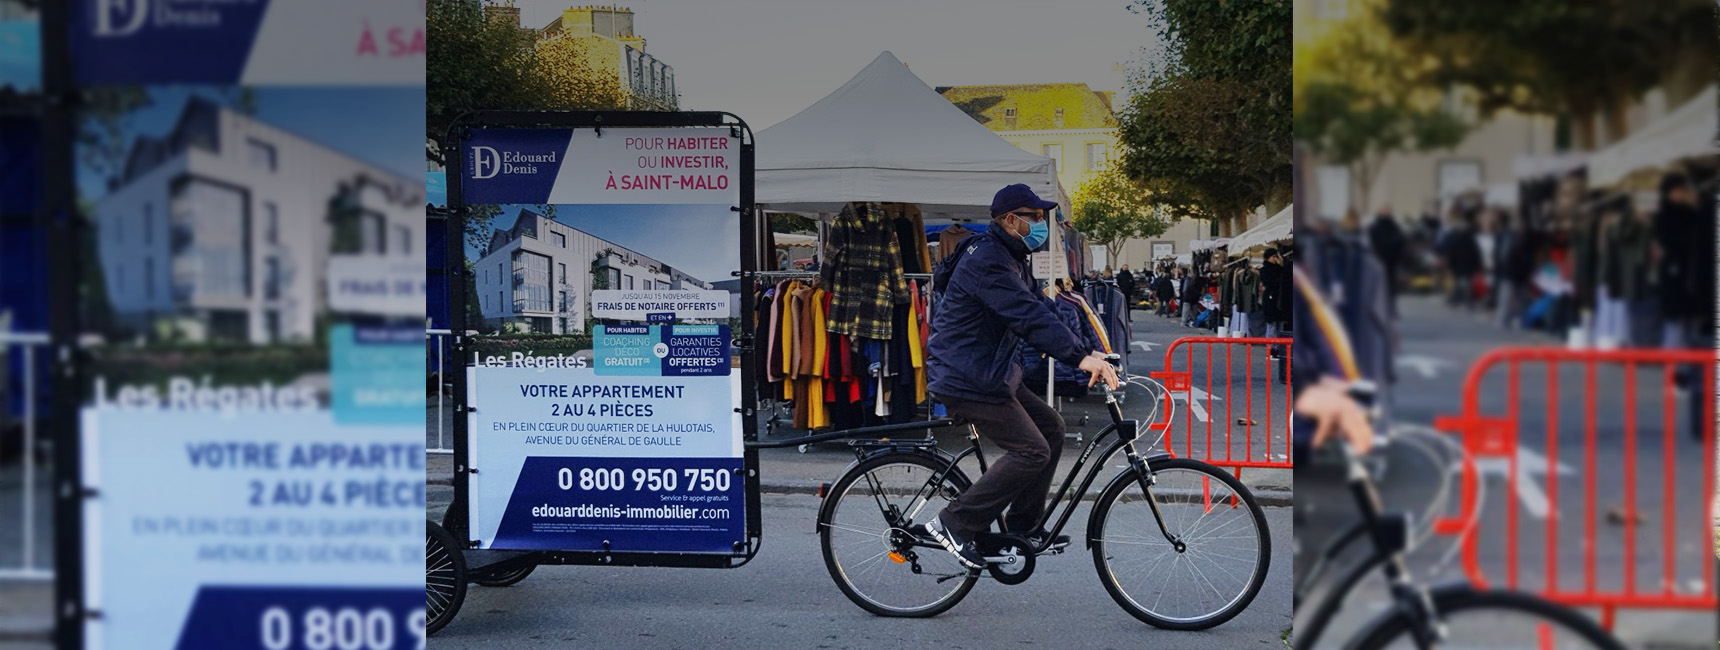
(988, 306)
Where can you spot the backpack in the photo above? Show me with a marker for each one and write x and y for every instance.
(946, 267)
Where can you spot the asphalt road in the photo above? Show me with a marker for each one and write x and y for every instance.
(784, 598)
(1560, 523)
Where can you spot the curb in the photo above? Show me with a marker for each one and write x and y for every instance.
(20, 630)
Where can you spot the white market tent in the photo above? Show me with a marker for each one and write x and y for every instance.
(1267, 232)
(1207, 244)
(887, 136)
(1686, 132)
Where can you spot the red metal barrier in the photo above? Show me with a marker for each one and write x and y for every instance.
(1273, 421)
(1500, 437)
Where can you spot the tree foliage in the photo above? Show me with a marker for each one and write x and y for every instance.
(474, 64)
(1110, 209)
(1212, 128)
(572, 82)
(1582, 59)
(1362, 97)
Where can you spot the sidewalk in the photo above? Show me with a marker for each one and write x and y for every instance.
(26, 607)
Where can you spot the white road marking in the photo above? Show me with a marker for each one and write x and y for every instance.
(1195, 405)
(1428, 367)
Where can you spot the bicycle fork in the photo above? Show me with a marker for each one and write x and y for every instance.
(1143, 472)
(1392, 535)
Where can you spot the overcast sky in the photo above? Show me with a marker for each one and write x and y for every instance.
(765, 60)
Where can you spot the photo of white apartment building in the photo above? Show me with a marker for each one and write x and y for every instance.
(209, 232)
(537, 276)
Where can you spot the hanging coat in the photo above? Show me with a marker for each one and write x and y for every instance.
(863, 270)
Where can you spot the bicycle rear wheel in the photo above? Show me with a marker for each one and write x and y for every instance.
(1226, 546)
(1493, 619)
(444, 577)
(861, 527)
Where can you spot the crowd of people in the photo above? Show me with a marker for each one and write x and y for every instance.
(1251, 299)
(1606, 269)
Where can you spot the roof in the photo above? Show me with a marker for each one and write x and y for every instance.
(1035, 105)
(887, 136)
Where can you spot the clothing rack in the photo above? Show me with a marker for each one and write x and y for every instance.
(793, 275)
(774, 408)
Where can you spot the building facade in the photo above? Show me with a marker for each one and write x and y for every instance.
(538, 275)
(1076, 127)
(209, 233)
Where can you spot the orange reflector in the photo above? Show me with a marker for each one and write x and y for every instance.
(897, 557)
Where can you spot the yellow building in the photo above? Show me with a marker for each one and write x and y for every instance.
(1075, 126)
(601, 39)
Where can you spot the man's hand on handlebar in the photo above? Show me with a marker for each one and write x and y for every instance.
(1337, 413)
(1100, 368)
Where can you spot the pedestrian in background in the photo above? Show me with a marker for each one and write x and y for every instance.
(1194, 284)
(1686, 269)
(1463, 258)
(1126, 282)
(1276, 285)
(1387, 240)
(1612, 257)
(1515, 270)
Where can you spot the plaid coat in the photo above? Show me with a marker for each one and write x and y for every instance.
(862, 269)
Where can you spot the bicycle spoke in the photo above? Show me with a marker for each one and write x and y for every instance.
(856, 545)
(1219, 564)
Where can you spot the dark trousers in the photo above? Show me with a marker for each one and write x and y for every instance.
(1031, 436)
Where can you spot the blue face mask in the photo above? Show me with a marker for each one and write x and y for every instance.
(1037, 233)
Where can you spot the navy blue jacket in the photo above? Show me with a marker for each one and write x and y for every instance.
(988, 307)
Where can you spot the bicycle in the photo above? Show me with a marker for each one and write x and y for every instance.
(1450, 616)
(1192, 510)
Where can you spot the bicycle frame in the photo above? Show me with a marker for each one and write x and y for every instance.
(1389, 534)
(1127, 431)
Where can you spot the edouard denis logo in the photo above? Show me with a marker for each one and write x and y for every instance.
(118, 18)
(487, 162)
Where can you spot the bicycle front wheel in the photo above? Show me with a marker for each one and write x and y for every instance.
(1202, 567)
(862, 527)
(1493, 619)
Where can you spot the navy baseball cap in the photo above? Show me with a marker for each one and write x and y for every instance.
(1017, 196)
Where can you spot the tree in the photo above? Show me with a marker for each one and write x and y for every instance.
(1110, 209)
(1585, 60)
(1212, 127)
(472, 63)
(1361, 97)
(1350, 127)
(571, 80)
(791, 223)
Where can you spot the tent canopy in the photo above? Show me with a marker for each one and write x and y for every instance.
(887, 136)
(1269, 231)
(1684, 133)
(1207, 244)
